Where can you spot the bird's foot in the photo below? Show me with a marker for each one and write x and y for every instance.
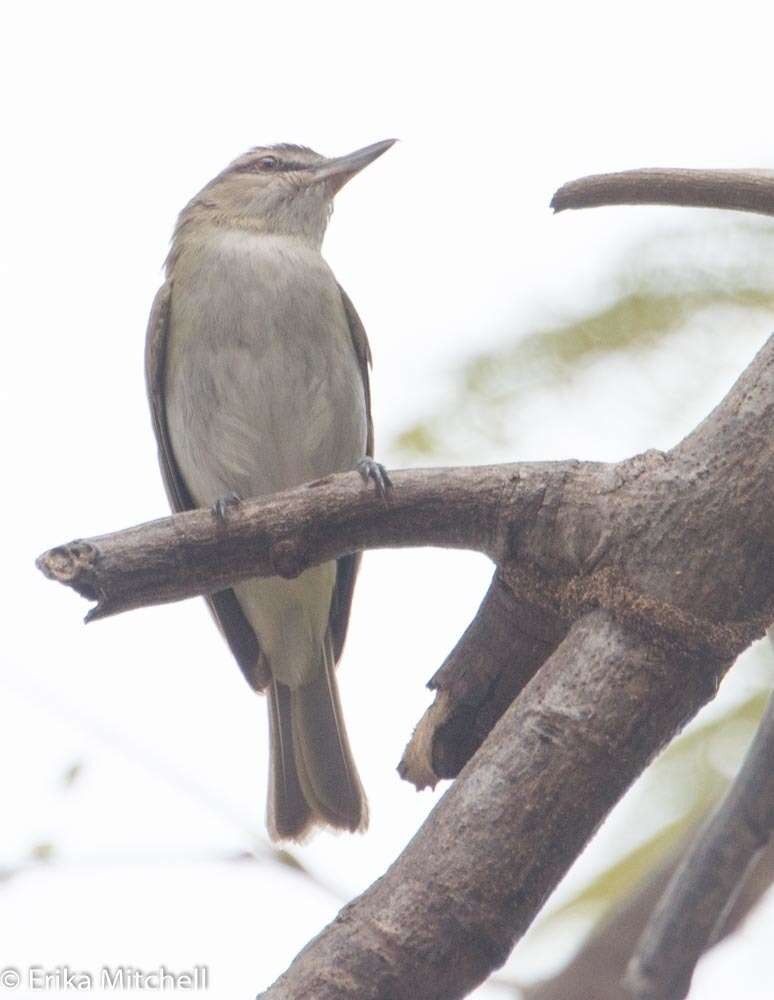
(223, 504)
(376, 472)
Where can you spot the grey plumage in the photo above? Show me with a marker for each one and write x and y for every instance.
(257, 369)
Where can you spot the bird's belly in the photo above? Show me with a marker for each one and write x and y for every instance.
(290, 618)
(268, 430)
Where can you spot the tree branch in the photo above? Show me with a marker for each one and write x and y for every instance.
(642, 538)
(450, 909)
(283, 534)
(598, 968)
(498, 654)
(742, 190)
(693, 909)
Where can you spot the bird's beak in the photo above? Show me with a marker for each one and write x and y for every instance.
(338, 171)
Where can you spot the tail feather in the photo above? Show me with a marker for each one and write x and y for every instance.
(288, 814)
(313, 774)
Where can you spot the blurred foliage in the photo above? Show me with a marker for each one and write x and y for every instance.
(659, 285)
(72, 774)
(42, 852)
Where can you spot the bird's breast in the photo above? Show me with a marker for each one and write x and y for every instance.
(263, 388)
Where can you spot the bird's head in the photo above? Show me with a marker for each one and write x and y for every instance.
(282, 189)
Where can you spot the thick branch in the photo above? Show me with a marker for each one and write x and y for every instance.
(742, 190)
(680, 545)
(695, 904)
(473, 878)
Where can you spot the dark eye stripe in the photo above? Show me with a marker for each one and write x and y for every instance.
(254, 166)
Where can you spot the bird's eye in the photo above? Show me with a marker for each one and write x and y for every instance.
(268, 163)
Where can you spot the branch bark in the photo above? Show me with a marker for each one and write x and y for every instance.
(498, 654)
(283, 534)
(740, 190)
(450, 909)
(694, 907)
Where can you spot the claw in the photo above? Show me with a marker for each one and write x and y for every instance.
(376, 472)
(222, 505)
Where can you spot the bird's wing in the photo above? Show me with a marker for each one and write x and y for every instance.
(348, 565)
(224, 605)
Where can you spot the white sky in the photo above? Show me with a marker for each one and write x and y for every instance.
(114, 115)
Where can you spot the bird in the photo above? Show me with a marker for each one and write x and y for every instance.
(257, 369)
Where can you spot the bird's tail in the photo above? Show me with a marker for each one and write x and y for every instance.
(312, 776)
